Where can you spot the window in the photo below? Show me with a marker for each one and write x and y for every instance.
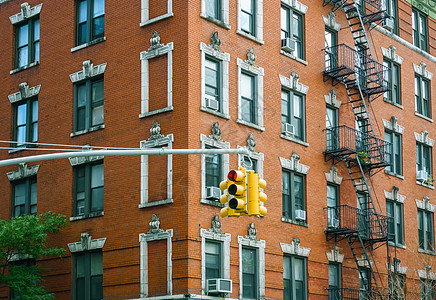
(88, 191)
(419, 26)
(248, 98)
(213, 9)
(392, 77)
(393, 152)
(89, 21)
(391, 9)
(427, 289)
(396, 285)
(332, 123)
(293, 196)
(423, 161)
(422, 96)
(213, 84)
(248, 16)
(292, 27)
(365, 284)
(88, 275)
(213, 172)
(249, 273)
(425, 230)
(213, 259)
(250, 19)
(27, 43)
(89, 110)
(294, 278)
(330, 49)
(395, 226)
(24, 197)
(332, 205)
(293, 113)
(25, 122)
(334, 281)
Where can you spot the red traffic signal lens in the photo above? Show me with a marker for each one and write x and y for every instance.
(235, 175)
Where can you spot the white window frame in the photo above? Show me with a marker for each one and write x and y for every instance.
(145, 56)
(161, 142)
(258, 73)
(217, 144)
(258, 22)
(422, 138)
(145, 12)
(260, 245)
(224, 22)
(224, 59)
(224, 240)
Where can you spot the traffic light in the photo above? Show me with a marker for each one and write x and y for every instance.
(226, 211)
(237, 188)
(255, 196)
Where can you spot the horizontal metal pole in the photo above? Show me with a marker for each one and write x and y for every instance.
(161, 151)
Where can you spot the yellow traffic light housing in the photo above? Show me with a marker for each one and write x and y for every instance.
(226, 211)
(255, 196)
(237, 188)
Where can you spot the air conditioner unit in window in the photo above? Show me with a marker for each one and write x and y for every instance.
(213, 193)
(421, 175)
(288, 129)
(388, 24)
(211, 102)
(300, 215)
(81, 210)
(219, 285)
(288, 44)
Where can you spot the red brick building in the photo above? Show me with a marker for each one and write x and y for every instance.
(334, 100)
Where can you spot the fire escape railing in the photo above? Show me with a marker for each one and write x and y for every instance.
(372, 10)
(353, 294)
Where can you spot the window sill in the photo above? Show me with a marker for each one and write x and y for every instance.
(93, 42)
(157, 111)
(98, 127)
(392, 244)
(429, 252)
(216, 21)
(292, 139)
(424, 117)
(255, 126)
(162, 17)
(155, 203)
(214, 112)
(91, 215)
(425, 185)
(24, 67)
(394, 174)
(393, 103)
(301, 223)
(211, 202)
(249, 36)
(294, 57)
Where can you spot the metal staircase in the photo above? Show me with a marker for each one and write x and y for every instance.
(359, 148)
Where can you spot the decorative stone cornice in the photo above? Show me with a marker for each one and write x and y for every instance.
(363, 262)
(332, 176)
(215, 232)
(75, 161)
(155, 232)
(397, 268)
(26, 12)
(392, 55)
(392, 125)
(334, 255)
(394, 196)
(88, 71)
(23, 172)
(294, 248)
(294, 164)
(331, 99)
(297, 5)
(425, 204)
(25, 92)
(423, 138)
(422, 70)
(86, 244)
(427, 273)
(330, 21)
(293, 84)
(361, 186)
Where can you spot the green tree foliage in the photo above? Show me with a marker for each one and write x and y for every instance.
(25, 237)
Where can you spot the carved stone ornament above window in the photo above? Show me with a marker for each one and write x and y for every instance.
(427, 273)
(23, 172)
(362, 262)
(361, 186)
(216, 225)
(293, 164)
(75, 161)
(330, 21)
(86, 244)
(252, 232)
(394, 196)
(391, 55)
(155, 232)
(24, 92)
(251, 143)
(293, 84)
(332, 176)
(396, 267)
(26, 12)
(155, 41)
(334, 255)
(216, 132)
(331, 99)
(392, 125)
(154, 225)
(422, 70)
(297, 5)
(423, 138)
(294, 248)
(425, 204)
(155, 131)
(88, 71)
(215, 42)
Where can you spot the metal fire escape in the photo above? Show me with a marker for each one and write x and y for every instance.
(363, 153)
